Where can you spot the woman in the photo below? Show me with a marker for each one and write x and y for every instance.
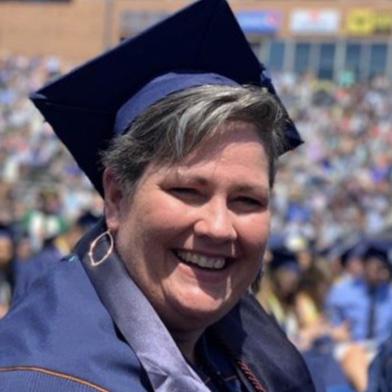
(155, 296)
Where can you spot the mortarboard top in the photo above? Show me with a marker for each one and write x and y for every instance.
(203, 38)
(375, 252)
(362, 248)
(6, 231)
(374, 247)
(283, 258)
(348, 254)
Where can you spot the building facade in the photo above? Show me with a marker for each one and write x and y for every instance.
(344, 40)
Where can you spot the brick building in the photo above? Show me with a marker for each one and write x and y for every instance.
(332, 38)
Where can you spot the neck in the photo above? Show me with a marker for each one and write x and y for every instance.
(186, 342)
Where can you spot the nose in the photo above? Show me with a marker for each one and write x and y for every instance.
(215, 221)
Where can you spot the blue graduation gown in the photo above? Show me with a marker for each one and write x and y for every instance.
(28, 271)
(68, 334)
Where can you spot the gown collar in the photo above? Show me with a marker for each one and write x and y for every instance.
(136, 319)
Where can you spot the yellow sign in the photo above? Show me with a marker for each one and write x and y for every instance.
(368, 22)
(383, 23)
(360, 22)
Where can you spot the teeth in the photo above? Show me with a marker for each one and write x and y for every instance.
(219, 263)
(202, 261)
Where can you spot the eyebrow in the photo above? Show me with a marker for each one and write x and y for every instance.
(189, 178)
(202, 181)
(265, 191)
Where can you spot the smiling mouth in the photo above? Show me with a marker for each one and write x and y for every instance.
(202, 261)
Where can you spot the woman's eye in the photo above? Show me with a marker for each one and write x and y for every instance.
(186, 194)
(184, 191)
(250, 203)
(249, 200)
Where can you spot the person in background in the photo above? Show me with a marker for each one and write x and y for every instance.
(286, 295)
(294, 293)
(279, 288)
(45, 222)
(365, 303)
(316, 330)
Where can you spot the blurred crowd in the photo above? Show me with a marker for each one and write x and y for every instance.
(339, 182)
(327, 274)
(45, 199)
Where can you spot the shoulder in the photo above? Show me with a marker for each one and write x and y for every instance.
(27, 272)
(42, 380)
(303, 299)
(61, 333)
(35, 321)
(346, 282)
(306, 309)
(344, 289)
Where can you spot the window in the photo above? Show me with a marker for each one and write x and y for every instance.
(378, 59)
(302, 57)
(276, 56)
(353, 58)
(326, 61)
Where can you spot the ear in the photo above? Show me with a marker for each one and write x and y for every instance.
(114, 199)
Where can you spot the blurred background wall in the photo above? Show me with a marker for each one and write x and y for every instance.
(333, 39)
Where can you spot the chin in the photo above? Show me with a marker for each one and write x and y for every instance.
(203, 308)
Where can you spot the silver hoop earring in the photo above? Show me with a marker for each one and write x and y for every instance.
(93, 245)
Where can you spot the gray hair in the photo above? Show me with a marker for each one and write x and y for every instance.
(173, 127)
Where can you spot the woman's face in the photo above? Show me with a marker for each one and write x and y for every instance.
(193, 234)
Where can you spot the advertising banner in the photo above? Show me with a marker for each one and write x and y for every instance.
(315, 21)
(365, 22)
(264, 22)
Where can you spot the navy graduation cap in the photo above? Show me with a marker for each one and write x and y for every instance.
(202, 44)
(284, 258)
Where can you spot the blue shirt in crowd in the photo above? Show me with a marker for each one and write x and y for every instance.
(350, 300)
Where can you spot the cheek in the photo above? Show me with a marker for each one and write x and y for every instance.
(148, 229)
(254, 240)
(168, 225)
(255, 232)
